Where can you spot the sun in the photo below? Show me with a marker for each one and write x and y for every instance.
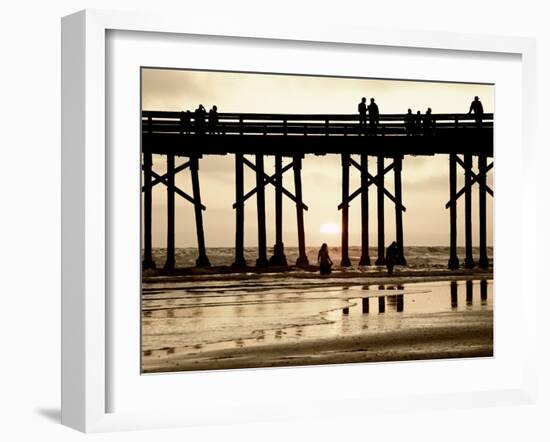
(330, 228)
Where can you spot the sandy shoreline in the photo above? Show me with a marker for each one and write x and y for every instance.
(468, 338)
(439, 330)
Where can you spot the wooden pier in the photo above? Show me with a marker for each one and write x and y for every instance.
(288, 138)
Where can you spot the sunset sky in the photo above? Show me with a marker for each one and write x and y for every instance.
(425, 179)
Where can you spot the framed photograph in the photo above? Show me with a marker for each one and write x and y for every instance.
(251, 216)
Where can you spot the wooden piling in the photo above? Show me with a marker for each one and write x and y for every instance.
(170, 216)
(381, 260)
(260, 204)
(278, 257)
(365, 257)
(469, 259)
(453, 257)
(148, 262)
(239, 211)
(202, 260)
(482, 166)
(345, 262)
(297, 167)
(398, 167)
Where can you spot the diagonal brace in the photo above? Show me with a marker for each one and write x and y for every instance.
(475, 179)
(372, 180)
(165, 176)
(269, 180)
(176, 189)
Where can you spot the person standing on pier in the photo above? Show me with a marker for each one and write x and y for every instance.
(374, 116)
(428, 122)
(213, 120)
(186, 121)
(362, 109)
(409, 123)
(323, 258)
(418, 123)
(200, 114)
(477, 108)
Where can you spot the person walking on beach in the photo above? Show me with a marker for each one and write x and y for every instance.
(362, 109)
(391, 257)
(374, 116)
(324, 261)
(477, 108)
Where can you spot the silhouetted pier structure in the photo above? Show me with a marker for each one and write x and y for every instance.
(291, 137)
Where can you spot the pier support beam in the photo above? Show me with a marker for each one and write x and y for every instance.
(381, 260)
(260, 204)
(453, 258)
(469, 259)
(297, 167)
(482, 181)
(398, 167)
(148, 262)
(170, 219)
(239, 211)
(345, 262)
(202, 260)
(365, 257)
(278, 257)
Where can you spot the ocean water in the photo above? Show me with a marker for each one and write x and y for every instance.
(418, 257)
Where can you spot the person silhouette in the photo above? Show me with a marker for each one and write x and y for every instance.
(213, 120)
(200, 114)
(362, 109)
(418, 123)
(409, 123)
(374, 116)
(185, 121)
(428, 122)
(324, 261)
(477, 108)
(392, 253)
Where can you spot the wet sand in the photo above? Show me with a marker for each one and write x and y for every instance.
(192, 323)
(462, 341)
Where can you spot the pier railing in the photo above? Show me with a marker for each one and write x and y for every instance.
(184, 123)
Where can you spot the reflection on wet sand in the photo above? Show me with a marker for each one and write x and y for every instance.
(454, 294)
(469, 292)
(180, 329)
(365, 305)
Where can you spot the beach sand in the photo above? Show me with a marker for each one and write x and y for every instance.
(230, 321)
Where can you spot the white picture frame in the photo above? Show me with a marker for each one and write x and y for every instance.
(86, 315)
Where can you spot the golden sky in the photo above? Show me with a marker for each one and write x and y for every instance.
(425, 179)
